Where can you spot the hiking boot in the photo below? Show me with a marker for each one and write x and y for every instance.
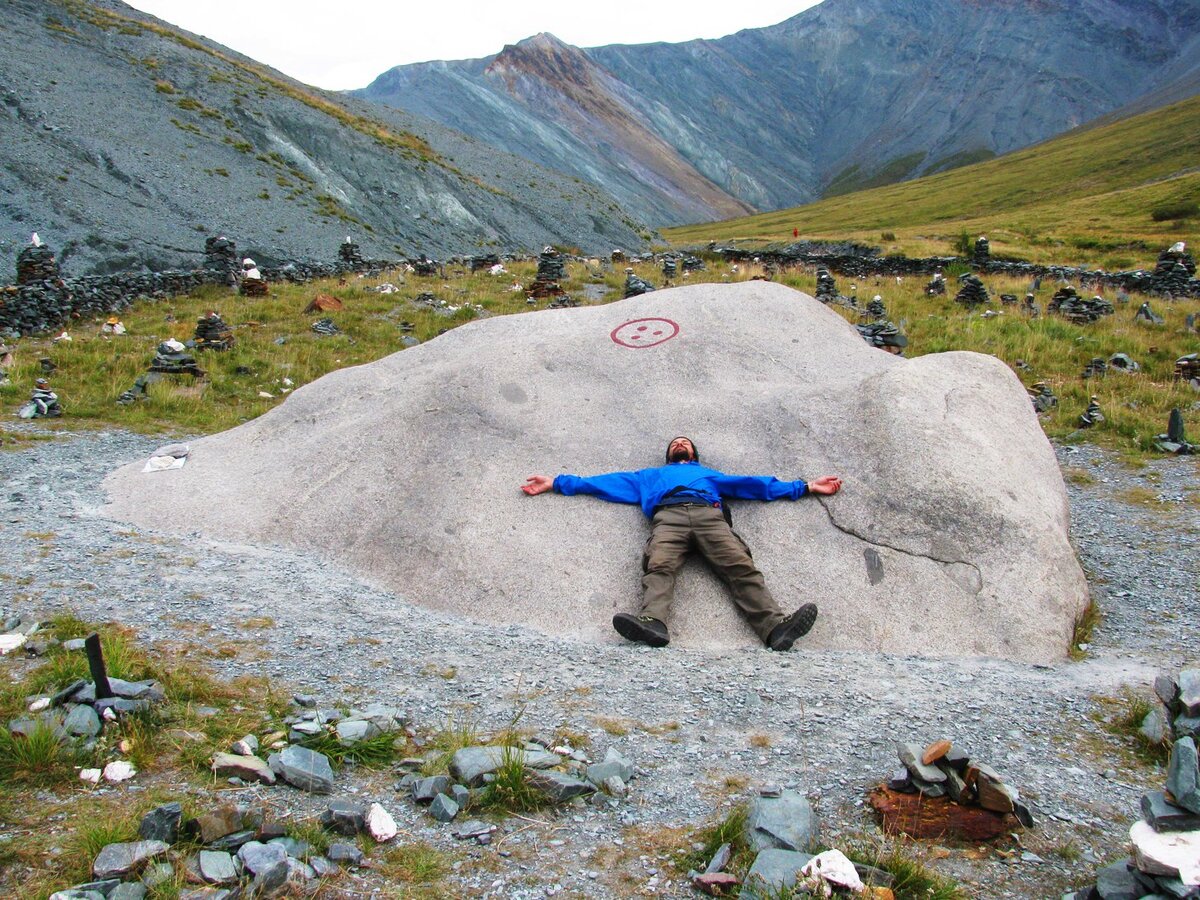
(794, 627)
(644, 629)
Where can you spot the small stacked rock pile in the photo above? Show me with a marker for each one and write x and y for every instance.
(1146, 314)
(172, 358)
(1092, 415)
(971, 291)
(1008, 299)
(212, 333)
(875, 311)
(983, 251)
(977, 800)
(561, 774)
(484, 261)
(349, 254)
(1068, 304)
(326, 327)
(1179, 715)
(618, 256)
(423, 265)
(937, 285)
(669, 267)
(884, 336)
(1097, 368)
(1042, 397)
(827, 291)
(221, 259)
(252, 283)
(635, 286)
(1175, 440)
(692, 264)
(1173, 271)
(1123, 362)
(1030, 306)
(36, 264)
(1187, 370)
(550, 271)
(42, 404)
(1166, 840)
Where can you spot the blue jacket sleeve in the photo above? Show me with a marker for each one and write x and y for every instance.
(759, 487)
(615, 487)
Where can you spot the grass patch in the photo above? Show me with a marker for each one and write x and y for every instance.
(1084, 627)
(459, 732)
(38, 758)
(376, 752)
(1125, 721)
(913, 880)
(511, 790)
(730, 830)
(417, 863)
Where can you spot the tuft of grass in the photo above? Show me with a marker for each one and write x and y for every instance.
(376, 752)
(39, 758)
(511, 790)
(416, 863)
(1127, 724)
(913, 880)
(730, 830)
(1084, 627)
(458, 733)
(311, 832)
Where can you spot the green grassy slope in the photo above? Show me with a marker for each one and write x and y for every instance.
(1084, 197)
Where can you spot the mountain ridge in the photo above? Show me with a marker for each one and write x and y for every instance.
(840, 94)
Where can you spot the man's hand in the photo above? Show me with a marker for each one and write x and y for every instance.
(826, 484)
(537, 484)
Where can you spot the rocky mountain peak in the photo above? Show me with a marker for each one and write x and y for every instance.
(546, 57)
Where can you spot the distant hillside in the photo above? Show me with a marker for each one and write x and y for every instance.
(126, 142)
(1093, 195)
(846, 95)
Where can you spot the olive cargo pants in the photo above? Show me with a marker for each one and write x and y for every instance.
(677, 530)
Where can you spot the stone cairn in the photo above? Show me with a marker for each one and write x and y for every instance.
(618, 256)
(936, 286)
(1146, 314)
(172, 358)
(252, 284)
(1166, 840)
(423, 265)
(692, 264)
(36, 264)
(1092, 415)
(983, 251)
(884, 335)
(1097, 368)
(874, 311)
(1029, 305)
(635, 286)
(325, 327)
(1068, 304)
(1008, 299)
(42, 404)
(940, 789)
(669, 267)
(221, 259)
(827, 291)
(971, 290)
(1187, 370)
(1122, 362)
(1174, 269)
(483, 261)
(550, 271)
(1175, 440)
(349, 255)
(1042, 397)
(212, 333)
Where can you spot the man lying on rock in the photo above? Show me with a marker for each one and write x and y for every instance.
(683, 500)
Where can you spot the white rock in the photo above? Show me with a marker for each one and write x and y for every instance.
(832, 867)
(381, 824)
(1175, 854)
(9, 642)
(119, 771)
(39, 704)
(950, 536)
(91, 776)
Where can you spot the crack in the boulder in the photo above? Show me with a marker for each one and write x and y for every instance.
(877, 543)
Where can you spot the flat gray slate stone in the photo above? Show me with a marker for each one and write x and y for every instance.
(559, 786)
(1183, 776)
(216, 867)
(1163, 815)
(979, 569)
(258, 857)
(786, 822)
(772, 872)
(303, 768)
(470, 764)
(121, 859)
(910, 755)
(1189, 691)
(82, 721)
(248, 768)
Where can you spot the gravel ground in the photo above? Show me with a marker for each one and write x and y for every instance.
(704, 729)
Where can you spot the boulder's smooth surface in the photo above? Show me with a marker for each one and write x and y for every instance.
(949, 537)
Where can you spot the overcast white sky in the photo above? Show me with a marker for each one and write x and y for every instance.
(346, 44)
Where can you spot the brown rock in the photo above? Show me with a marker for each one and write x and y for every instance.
(216, 824)
(935, 751)
(324, 303)
(926, 817)
(715, 884)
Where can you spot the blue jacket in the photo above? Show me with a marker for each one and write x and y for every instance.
(647, 487)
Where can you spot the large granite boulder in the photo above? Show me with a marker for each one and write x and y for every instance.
(948, 538)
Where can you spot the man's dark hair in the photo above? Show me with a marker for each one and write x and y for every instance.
(695, 449)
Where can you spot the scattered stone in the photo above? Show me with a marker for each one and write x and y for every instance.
(82, 721)
(259, 858)
(303, 768)
(248, 768)
(1175, 440)
(786, 822)
(829, 869)
(118, 771)
(121, 859)
(773, 873)
(381, 824)
(345, 817)
(344, 854)
(218, 823)
(443, 809)
(216, 867)
(613, 764)
(326, 303)
(424, 790)
(326, 327)
(470, 764)
(474, 828)
(351, 731)
(247, 746)
(1146, 314)
(162, 823)
(1155, 727)
(1123, 363)
(560, 787)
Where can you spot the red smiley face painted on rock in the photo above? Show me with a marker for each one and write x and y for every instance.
(642, 333)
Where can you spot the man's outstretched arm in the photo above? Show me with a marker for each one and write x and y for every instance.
(615, 487)
(826, 484)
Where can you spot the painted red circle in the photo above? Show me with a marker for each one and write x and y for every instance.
(642, 333)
